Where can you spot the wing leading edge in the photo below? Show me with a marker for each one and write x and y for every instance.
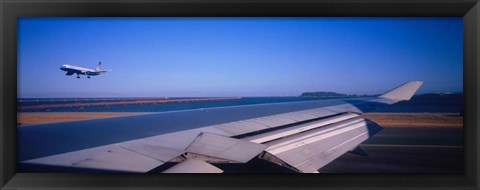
(303, 140)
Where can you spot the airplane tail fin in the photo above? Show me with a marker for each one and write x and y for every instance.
(403, 92)
(98, 66)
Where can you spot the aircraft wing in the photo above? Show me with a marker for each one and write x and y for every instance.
(303, 136)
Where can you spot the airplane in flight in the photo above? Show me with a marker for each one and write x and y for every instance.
(299, 136)
(70, 70)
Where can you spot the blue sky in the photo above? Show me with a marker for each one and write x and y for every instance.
(157, 57)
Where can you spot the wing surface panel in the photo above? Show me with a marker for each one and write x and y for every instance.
(273, 121)
(226, 148)
(298, 116)
(110, 157)
(320, 112)
(344, 108)
(241, 127)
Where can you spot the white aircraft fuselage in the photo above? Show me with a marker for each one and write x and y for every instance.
(71, 69)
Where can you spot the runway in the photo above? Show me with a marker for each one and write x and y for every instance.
(406, 150)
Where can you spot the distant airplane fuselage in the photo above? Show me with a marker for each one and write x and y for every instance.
(71, 69)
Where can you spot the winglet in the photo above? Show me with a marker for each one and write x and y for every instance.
(403, 92)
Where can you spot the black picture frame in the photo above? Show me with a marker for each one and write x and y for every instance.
(11, 10)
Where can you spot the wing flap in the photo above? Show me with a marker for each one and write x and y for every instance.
(224, 147)
(278, 120)
(281, 133)
(310, 150)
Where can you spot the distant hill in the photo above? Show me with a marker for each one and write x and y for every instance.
(335, 94)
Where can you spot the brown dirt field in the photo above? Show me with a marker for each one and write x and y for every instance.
(49, 117)
(383, 119)
(126, 102)
(415, 119)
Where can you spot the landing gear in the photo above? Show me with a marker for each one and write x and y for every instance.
(88, 76)
(78, 76)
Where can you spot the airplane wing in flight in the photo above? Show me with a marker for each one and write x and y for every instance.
(302, 136)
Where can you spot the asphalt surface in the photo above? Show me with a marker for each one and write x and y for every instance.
(406, 150)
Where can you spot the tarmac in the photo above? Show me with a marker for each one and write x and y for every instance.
(406, 150)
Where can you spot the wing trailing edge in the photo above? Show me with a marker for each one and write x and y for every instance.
(317, 143)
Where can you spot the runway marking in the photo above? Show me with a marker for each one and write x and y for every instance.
(412, 146)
